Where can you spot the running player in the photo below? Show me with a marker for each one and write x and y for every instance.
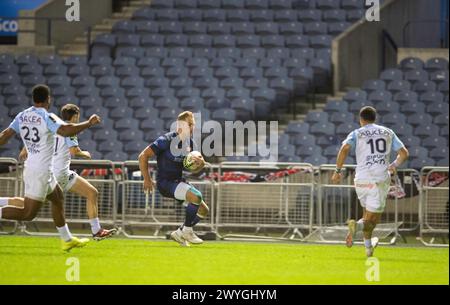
(170, 182)
(65, 148)
(37, 128)
(373, 144)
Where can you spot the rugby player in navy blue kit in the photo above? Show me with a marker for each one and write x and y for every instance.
(170, 150)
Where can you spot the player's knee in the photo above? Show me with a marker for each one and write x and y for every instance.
(195, 196)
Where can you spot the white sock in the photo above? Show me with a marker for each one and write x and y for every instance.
(65, 233)
(187, 229)
(95, 225)
(368, 243)
(3, 201)
(360, 225)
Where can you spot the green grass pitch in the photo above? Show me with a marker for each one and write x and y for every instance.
(39, 260)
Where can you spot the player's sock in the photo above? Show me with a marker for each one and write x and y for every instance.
(191, 212)
(95, 225)
(3, 201)
(65, 233)
(196, 220)
(360, 225)
(368, 243)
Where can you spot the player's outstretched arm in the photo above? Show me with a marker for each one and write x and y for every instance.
(5, 135)
(75, 151)
(69, 130)
(340, 159)
(144, 156)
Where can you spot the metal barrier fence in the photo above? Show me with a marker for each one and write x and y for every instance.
(277, 201)
(140, 210)
(9, 186)
(434, 205)
(285, 202)
(338, 203)
(101, 174)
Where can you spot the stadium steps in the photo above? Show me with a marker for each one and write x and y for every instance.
(78, 46)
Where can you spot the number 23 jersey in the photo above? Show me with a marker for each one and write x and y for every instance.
(37, 128)
(373, 145)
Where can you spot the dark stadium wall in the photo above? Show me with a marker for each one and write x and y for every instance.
(91, 12)
(357, 53)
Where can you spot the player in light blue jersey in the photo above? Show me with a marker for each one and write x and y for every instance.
(373, 145)
(38, 128)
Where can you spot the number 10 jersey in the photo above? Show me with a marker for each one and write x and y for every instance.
(373, 145)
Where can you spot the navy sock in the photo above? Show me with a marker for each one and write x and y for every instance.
(191, 213)
(195, 221)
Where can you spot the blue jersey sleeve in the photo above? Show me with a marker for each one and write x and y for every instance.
(351, 139)
(15, 124)
(71, 141)
(160, 145)
(396, 143)
(53, 122)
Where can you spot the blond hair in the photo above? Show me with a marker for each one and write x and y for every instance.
(186, 116)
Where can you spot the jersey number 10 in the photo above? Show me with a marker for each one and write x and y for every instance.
(379, 145)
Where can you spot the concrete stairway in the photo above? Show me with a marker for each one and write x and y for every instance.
(79, 44)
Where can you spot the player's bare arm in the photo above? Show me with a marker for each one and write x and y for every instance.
(144, 157)
(71, 129)
(23, 155)
(76, 151)
(5, 135)
(402, 156)
(342, 155)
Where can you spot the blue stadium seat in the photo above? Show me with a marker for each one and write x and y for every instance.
(170, 27)
(431, 97)
(310, 15)
(405, 97)
(285, 15)
(421, 162)
(391, 74)
(355, 95)
(214, 15)
(143, 15)
(373, 85)
(213, 93)
(435, 64)
(257, 15)
(441, 120)
(82, 80)
(416, 75)
(387, 107)
(424, 86)
(402, 129)
(109, 146)
(290, 28)
(431, 142)
(425, 131)
(437, 108)
(440, 76)
(151, 123)
(411, 63)
(216, 103)
(399, 86)
(380, 96)
(418, 152)
(343, 130)
(208, 4)
(419, 118)
(329, 140)
(26, 59)
(335, 28)
(232, 4)
(393, 118)
(278, 52)
(356, 106)
(124, 27)
(238, 15)
(341, 117)
(115, 156)
(286, 150)
(231, 83)
(336, 106)
(355, 15)
(411, 141)
(256, 4)
(334, 15)
(322, 128)
(224, 114)
(309, 150)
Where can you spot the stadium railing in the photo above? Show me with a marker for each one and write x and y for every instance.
(337, 203)
(9, 186)
(434, 205)
(281, 198)
(247, 200)
(140, 211)
(102, 175)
